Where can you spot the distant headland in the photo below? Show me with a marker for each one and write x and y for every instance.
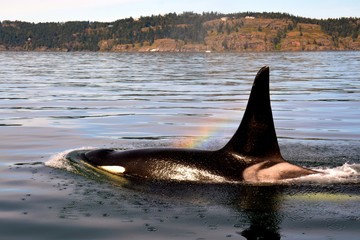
(186, 32)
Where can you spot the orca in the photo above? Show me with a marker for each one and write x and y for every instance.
(251, 155)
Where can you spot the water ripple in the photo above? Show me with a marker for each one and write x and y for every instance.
(314, 95)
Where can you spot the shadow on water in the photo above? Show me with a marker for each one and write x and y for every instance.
(258, 205)
(259, 208)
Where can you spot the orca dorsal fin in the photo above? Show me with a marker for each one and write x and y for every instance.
(256, 136)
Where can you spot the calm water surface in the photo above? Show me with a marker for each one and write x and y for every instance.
(53, 102)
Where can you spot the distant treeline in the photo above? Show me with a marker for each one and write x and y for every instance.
(188, 27)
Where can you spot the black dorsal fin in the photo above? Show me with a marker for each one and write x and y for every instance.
(256, 136)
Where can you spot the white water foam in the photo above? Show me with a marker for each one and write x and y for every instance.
(59, 161)
(346, 173)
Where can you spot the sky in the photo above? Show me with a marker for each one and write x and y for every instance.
(112, 10)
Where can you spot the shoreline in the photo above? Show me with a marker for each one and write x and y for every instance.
(136, 51)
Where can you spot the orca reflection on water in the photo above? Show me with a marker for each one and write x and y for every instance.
(252, 154)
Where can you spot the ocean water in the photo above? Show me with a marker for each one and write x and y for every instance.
(51, 103)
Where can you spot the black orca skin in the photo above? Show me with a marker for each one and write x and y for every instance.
(251, 155)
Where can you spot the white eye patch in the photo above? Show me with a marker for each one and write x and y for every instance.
(113, 169)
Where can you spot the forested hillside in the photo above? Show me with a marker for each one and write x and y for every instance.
(186, 32)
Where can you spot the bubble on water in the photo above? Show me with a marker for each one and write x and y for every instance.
(152, 229)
